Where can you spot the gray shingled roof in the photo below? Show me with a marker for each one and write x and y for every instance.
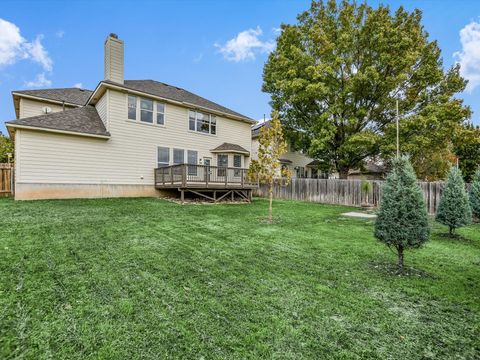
(228, 147)
(175, 93)
(84, 120)
(257, 127)
(69, 95)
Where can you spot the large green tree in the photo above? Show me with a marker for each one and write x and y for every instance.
(336, 74)
(6, 147)
(467, 149)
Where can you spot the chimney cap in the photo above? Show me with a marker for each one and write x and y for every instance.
(113, 35)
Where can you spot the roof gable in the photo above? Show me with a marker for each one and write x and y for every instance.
(74, 96)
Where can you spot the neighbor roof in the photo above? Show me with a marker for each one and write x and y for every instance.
(228, 147)
(370, 168)
(174, 93)
(257, 127)
(69, 95)
(83, 120)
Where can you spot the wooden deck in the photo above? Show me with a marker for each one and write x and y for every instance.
(211, 182)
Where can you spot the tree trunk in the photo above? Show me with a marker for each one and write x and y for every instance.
(343, 173)
(451, 230)
(270, 205)
(400, 258)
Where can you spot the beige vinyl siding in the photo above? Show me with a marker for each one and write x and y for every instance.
(30, 107)
(101, 107)
(128, 157)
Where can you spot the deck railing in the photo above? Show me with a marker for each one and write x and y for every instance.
(184, 175)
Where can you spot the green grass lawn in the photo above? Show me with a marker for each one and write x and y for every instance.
(144, 278)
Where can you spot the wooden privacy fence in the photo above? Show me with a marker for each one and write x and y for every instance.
(6, 180)
(345, 192)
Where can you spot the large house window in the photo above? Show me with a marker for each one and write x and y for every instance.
(178, 156)
(146, 110)
(163, 156)
(160, 113)
(132, 107)
(149, 110)
(202, 122)
(192, 157)
(222, 162)
(237, 163)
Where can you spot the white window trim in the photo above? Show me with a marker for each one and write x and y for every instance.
(209, 122)
(138, 112)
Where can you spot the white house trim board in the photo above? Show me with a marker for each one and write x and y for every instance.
(35, 128)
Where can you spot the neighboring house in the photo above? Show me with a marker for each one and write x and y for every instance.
(74, 143)
(300, 165)
(371, 171)
(303, 166)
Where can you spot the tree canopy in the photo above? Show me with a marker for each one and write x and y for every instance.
(335, 77)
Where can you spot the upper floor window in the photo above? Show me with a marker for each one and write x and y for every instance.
(146, 110)
(160, 113)
(202, 122)
(132, 107)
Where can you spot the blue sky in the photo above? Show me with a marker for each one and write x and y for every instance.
(213, 48)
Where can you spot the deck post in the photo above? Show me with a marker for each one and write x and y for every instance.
(226, 177)
(184, 175)
(171, 174)
(233, 195)
(243, 175)
(182, 196)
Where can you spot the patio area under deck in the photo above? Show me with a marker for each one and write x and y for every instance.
(210, 182)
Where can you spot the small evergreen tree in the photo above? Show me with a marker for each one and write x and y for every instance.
(454, 209)
(475, 194)
(402, 221)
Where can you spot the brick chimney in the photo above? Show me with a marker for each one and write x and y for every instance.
(114, 59)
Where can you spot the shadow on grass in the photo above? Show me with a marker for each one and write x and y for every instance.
(457, 238)
(391, 269)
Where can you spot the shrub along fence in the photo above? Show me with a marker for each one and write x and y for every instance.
(6, 180)
(345, 192)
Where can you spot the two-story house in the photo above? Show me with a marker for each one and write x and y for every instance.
(74, 143)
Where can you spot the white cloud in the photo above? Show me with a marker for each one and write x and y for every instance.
(39, 81)
(59, 34)
(13, 47)
(469, 56)
(78, 85)
(38, 53)
(245, 46)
